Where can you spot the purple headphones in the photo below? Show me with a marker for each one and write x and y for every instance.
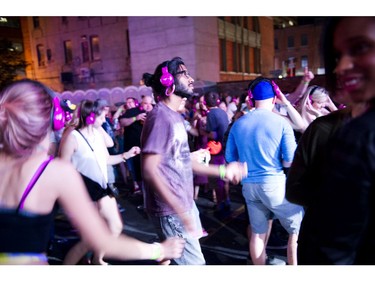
(58, 115)
(90, 119)
(166, 78)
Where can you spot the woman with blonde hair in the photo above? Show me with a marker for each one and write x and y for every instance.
(32, 182)
(315, 103)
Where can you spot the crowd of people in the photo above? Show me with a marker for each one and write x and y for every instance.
(305, 159)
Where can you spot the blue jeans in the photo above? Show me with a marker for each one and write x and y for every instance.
(171, 226)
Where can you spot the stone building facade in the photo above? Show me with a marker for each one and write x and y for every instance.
(71, 53)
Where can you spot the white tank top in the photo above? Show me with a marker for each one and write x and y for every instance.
(92, 164)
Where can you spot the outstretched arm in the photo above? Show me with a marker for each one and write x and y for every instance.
(294, 118)
(75, 200)
(298, 93)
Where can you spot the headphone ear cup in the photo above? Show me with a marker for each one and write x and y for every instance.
(275, 88)
(166, 78)
(250, 94)
(58, 117)
(90, 119)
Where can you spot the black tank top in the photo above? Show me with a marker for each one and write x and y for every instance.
(22, 231)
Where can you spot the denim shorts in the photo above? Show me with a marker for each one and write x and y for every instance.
(171, 226)
(263, 200)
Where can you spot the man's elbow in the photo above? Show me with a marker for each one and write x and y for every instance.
(286, 164)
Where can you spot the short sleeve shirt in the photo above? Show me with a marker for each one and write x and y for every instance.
(164, 133)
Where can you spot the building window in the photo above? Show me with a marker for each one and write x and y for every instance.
(223, 55)
(257, 60)
(95, 50)
(256, 24)
(235, 57)
(41, 55)
(304, 61)
(127, 42)
(49, 55)
(304, 40)
(17, 47)
(237, 53)
(85, 49)
(290, 42)
(64, 20)
(36, 22)
(245, 23)
(68, 52)
(247, 59)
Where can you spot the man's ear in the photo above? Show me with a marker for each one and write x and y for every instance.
(170, 90)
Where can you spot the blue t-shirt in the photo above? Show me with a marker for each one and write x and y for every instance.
(263, 139)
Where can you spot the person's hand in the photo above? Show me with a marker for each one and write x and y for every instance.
(141, 117)
(330, 104)
(172, 248)
(135, 150)
(118, 112)
(280, 97)
(308, 75)
(201, 156)
(311, 109)
(235, 171)
(189, 225)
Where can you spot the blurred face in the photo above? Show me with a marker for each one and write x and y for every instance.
(130, 103)
(106, 111)
(147, 103)
(319, 104)
(354, 44)
(184, 83)
(100, 119)
(202, 103)
(223, 106)
(319, 98)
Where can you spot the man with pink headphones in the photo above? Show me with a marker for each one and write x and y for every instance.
(168, 165)
(266, 142)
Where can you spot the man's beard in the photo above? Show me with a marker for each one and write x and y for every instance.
(184, 92)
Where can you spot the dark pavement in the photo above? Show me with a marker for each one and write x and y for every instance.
(226, 243)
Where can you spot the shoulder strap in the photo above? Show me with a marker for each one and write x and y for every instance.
(90, 148)
(32, 182)
(85, 139)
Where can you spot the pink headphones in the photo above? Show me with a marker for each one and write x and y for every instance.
(166, 78)
(58, 114)
(90, 119)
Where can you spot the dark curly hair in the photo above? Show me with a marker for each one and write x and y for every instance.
(153, 80)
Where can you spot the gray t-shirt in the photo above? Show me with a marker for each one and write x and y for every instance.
(164, 133)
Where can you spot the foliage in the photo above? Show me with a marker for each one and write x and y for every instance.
(11, 62)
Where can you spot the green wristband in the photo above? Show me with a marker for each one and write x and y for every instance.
(222, 171)
(156, 252)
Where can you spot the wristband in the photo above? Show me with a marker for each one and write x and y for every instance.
(123, 157)
(156, 252)
(306, 82)
(222, 171)
(134, 119)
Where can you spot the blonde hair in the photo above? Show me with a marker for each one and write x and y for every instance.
(318, 94)
(25, 117)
